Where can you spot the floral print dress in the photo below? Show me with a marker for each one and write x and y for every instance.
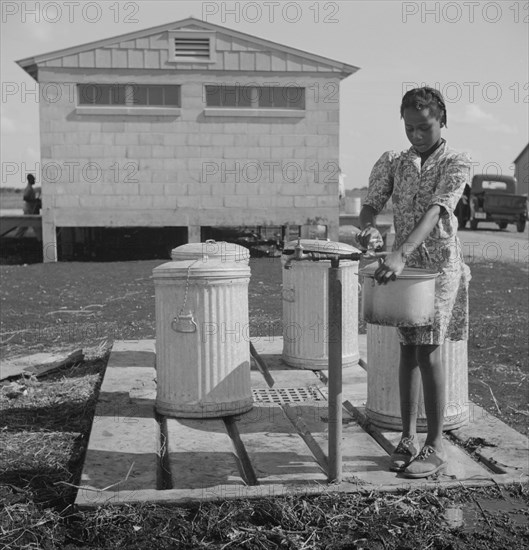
(413, 189)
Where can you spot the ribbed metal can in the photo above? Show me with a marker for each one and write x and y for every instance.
(383, 400)
(202, 338)
(305, 308)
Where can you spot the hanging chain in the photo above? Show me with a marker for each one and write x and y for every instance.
(181, 312)
(184, 322)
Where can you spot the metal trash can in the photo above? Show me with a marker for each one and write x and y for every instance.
(383, 400)
(305, 307)
(202, 330)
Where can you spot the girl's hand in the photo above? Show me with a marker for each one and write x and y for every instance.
(392, 266)
(370, 237)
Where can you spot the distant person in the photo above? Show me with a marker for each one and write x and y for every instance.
(425, 183)
(32, 203)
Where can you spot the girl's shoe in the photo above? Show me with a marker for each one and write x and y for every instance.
(405, 452)
(426, 463)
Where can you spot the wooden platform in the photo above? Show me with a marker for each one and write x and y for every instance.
(11, 220)
(279, 447)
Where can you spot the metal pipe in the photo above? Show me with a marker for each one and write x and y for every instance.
(335, 372)
(299, 255)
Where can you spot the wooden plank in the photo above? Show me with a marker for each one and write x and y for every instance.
(228, 492)
(39, 364)
(244, 460)
(8, 222)
(262, 366)
(317, 452)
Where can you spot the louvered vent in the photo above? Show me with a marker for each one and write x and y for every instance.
(191, 47)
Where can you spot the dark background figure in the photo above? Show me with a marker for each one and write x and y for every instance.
(32, 202)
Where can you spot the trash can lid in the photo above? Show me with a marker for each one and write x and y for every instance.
(323, 247)
(215, 250)
(210, 268)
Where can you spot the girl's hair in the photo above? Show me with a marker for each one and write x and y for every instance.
(425, 98)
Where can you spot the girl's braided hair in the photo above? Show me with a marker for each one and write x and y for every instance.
(425, 98)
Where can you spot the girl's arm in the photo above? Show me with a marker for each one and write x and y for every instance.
(395, 262)
(370, 235)
(368, 216)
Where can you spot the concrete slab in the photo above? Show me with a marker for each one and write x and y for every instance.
(133, 353)
(460, 465)
(201, 454)
(271, 350)
(287, 378)
(124, 445)
(277, 448)
(498, 446)
(277, 452)
(122, 455)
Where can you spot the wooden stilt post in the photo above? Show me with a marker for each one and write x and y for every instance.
(335, 372)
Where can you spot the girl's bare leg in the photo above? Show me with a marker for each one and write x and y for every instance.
(409, 386)
(433, 383)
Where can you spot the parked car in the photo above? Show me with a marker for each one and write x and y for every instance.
(492, 199)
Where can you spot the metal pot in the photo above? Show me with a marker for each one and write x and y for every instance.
(407, 301)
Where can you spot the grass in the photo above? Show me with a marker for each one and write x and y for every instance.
(45, 430)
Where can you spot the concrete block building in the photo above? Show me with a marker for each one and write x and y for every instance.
(187, 125)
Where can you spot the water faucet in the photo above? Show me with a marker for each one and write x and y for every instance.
(298, 255)
(329, 255)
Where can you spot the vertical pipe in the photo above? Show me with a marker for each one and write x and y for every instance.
(335, 372)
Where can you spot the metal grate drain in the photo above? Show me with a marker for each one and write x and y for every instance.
(289, 395)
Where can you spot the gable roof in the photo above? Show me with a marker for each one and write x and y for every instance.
(520, 155)
(31, 64)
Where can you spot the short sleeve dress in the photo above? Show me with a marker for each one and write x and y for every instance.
(413, 189)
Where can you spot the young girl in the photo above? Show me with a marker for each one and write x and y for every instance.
(425, 183)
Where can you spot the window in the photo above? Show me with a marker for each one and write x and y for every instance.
(228, 96)
(257, 97)
(101, 94)
(163, 96)
(129, 95)
(282, 98)
(495, 185)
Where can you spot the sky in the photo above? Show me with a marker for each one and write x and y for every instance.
(474, 52)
